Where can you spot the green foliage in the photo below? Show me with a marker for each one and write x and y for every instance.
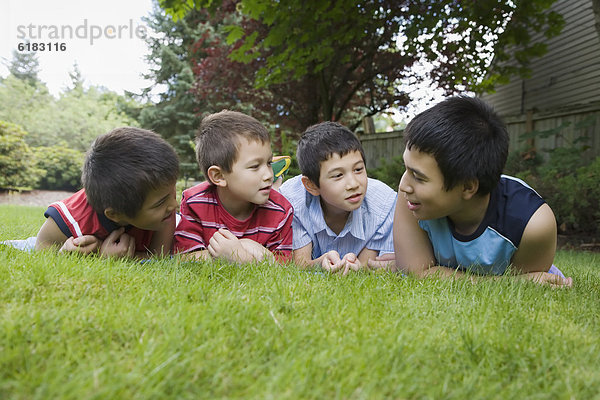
(299, 38)
(389, 171)
(17, 160)
(571, 193)
(566, 179)
(25, 66)
(76, 118)
(62, 166)
(176, 114)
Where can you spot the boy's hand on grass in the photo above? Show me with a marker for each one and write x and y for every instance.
(332, 262)
(224, 244)
(546, 278)
(118, 244)
(85, 244)
(256, 250)
(350, 263)
(383, 262)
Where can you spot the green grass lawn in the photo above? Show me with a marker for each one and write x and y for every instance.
(81, 328)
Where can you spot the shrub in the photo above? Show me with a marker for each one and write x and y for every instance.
(389, 172)
(573, 196)
(17, 160)
(62, 165)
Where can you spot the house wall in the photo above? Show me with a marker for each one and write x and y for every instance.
(564, 87)
(568, 74)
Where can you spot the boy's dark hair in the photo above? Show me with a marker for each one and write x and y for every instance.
(467, 139)
(217, 140)
(123, 165)
(319, 142)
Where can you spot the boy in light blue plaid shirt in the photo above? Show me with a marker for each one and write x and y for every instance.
(342, 219)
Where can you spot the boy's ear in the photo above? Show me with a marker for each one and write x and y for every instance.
(470, 188)
(215, 175)
(310, 186)
(111, 214)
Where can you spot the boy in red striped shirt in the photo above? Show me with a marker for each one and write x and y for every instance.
(235, 214)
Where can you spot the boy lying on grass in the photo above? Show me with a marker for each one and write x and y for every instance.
(456, 211)
(127, 205)
(234, 215)
(342, 219)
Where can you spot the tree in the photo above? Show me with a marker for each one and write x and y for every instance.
(177, 113)
(73, 120)
(338, 60)
(25, 66)
(17, 160)
(76, 78)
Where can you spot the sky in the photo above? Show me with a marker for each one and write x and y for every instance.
(104, 38)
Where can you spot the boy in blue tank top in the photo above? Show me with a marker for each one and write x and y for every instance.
(457, 213)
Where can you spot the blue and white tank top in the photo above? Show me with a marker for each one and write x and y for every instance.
(490, 248)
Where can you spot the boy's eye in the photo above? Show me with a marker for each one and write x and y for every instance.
(336, 176)
(418, 178)
(359, 169)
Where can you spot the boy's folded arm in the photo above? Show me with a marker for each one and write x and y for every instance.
(195, 255)
(365, 255)
(50, 235)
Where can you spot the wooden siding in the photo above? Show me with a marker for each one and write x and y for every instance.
(568, 74)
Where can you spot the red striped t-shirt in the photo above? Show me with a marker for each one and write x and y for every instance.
(202, 214)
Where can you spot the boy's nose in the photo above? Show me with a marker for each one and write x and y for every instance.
(403, 186)
(268, 174)
(351, 182)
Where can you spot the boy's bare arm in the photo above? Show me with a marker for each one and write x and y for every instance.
(50, 235)
(538, 243)
(224, 244)
(196, 255)
(412, 248)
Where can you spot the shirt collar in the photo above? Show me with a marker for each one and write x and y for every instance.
(354, 224)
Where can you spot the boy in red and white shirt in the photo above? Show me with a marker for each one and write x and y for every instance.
(127, 206)
(235, 215)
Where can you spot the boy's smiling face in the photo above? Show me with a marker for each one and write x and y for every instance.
(158, 209)
(342, 183)
(423, 188)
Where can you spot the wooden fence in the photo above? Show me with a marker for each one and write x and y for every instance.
(385, 145)
(563, 128)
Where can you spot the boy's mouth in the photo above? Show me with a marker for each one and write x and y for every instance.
(413, 206)
(266, 188)
(355, 198)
